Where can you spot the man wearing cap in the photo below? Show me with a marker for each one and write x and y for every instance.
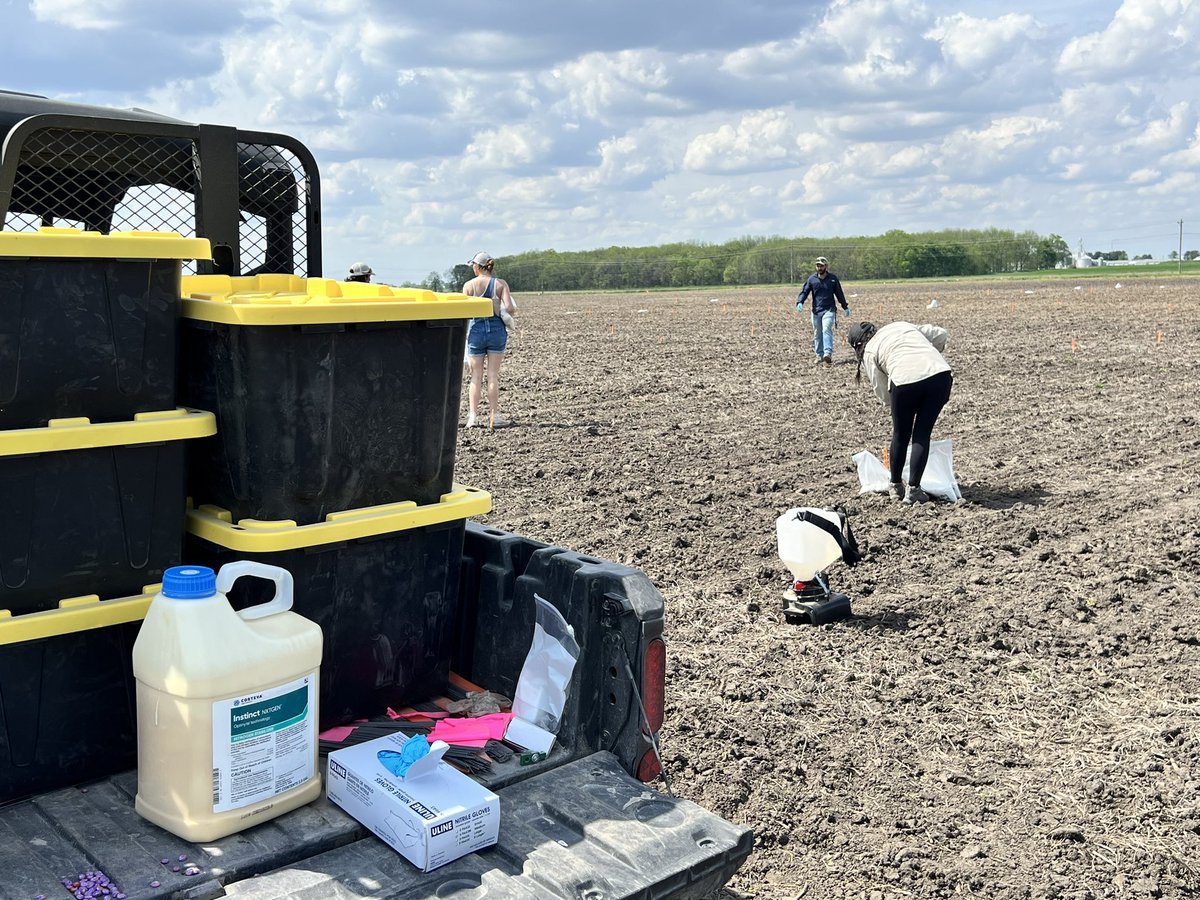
(826, 292)
(360, 271)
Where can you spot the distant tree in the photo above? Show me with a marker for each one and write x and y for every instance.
(1174, 254)
(706, 272)
(1191, 254)
(1052, 251)
(458, 276)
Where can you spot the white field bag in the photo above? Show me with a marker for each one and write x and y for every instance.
(938, 480)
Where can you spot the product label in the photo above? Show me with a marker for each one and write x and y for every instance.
(263, 744)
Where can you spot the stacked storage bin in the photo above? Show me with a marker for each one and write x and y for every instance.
(337, 406)
(92, 486)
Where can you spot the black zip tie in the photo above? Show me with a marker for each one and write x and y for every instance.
(468, 757)
(501, 753)
(427, 707)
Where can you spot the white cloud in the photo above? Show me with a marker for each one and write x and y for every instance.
(881, 43)
(1172, 186)
(502, 147)
(1008, 143)
(1142, 33)
(1188, 156)
(633, 160)
(765, 139)
(1166, 132)
(599, 86)
(99, 15)
(971, 44)
(580, 126)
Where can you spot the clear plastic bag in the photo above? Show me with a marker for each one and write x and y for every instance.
(545, 678)
(938, 480)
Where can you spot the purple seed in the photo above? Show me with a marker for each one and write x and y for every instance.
(156, 884)
(164, 861)
(182, 857)
(174, 868)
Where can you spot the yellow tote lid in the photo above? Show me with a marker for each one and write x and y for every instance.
(83, 434)
(216, 525)
(75, 244)
(74, 614)
(294, 300)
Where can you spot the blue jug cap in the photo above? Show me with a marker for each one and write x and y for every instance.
(189, 583)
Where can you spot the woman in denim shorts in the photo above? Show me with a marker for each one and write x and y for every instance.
(487, 338)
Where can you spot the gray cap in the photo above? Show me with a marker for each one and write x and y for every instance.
(480, 259)
(821, 261)
(361, 268)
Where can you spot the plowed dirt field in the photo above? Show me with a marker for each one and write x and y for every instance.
(1014, 709)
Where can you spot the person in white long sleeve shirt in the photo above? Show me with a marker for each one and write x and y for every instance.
(905, 367)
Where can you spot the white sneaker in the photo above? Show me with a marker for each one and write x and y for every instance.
(896, 490)
(471, 423)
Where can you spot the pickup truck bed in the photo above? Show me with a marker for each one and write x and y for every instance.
(575, 825)
(585, 829)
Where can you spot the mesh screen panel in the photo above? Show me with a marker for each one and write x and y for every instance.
(107, 180)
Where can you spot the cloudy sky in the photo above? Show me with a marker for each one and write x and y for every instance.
(446, 128)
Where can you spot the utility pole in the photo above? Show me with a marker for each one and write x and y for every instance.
(1181, 246)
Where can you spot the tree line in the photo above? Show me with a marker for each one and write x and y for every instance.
(773, 260)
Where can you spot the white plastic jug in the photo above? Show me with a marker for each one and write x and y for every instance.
(805, 548)
(227, 704)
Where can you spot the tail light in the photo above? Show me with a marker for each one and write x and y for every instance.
(654, 684)
(649, 768)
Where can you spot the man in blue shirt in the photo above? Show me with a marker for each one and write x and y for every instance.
(826, 292)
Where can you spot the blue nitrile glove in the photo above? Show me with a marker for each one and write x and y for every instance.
(847, 312)
(799, 306)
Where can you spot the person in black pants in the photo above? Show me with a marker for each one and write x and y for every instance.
(905, 366)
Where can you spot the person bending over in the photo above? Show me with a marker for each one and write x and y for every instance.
(905, 366)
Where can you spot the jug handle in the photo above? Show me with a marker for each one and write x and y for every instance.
(281, 602)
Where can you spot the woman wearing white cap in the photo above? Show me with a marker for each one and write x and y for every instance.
(487, 338)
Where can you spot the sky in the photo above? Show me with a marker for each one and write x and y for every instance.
(442, 129)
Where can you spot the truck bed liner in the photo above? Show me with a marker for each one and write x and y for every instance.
(585, 829)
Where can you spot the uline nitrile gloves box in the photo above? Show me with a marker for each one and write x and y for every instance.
(431, 815)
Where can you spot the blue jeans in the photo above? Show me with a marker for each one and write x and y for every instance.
(823, 332)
